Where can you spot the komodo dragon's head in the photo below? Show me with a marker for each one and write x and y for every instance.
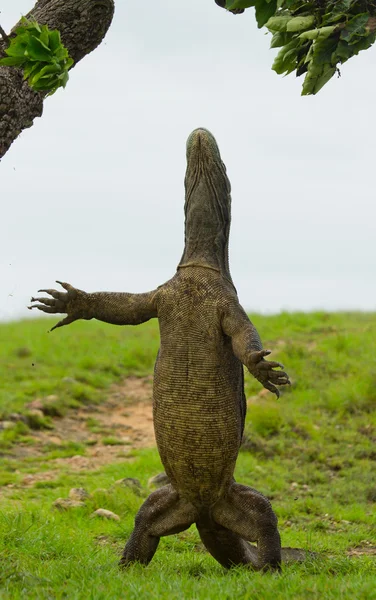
(207, 204)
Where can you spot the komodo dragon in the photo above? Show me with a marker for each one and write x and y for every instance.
(199, 401)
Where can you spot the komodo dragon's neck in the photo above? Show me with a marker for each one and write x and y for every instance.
(207, 206)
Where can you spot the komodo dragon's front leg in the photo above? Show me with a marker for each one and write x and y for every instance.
(118, 308)
(247, 347)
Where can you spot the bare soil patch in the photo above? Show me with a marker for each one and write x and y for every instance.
(124, 421)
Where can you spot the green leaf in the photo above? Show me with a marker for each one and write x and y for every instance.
(341, 6)
(44, 37)
(330, 18)
(323, 50)
(265, 11)
(54, 41)
(44, 72)
(18, 46)
(20, 30)
(230, 4)
(28, 26)
(37, 51)
(314, 34)
(68, 63)
(281, 38)
(32, 24)
(64, 78)
(61, 52)
(316, 79)
(12, 61)
(45, 83)
(343, 51)
(355, 27)
(286, 59)
(31, 68)
(297, 24)
(362, 43)
(278, 23)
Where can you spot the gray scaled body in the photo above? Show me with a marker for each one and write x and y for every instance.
(199, 402)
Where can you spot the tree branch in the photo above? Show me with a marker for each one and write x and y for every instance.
(4, 35)
(82, 25)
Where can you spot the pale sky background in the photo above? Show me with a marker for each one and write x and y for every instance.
(93, 193)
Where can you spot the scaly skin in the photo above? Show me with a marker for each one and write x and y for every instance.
(199, 402)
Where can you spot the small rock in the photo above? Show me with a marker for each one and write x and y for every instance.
(28, 479)
(158, 480)
(79, 494)
(36, 404)
(16, 417)
(131, 483)
(106, 514)
(66, 503)
(51, 398)
(35, 412)
(6, 425)
(69, 380)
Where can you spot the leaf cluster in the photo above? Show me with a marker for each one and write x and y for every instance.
(314, 36)
(39, 52)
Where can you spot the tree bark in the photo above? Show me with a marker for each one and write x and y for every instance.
(82, 25)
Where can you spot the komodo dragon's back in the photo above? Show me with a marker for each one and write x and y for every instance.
(199, 403)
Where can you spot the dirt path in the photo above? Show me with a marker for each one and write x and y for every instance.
(124, 421)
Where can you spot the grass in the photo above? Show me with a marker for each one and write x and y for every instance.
(312, 453)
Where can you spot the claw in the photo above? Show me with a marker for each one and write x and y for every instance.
(66, 286)
(267, 365)
(278, 380)
(66, 321)
(269, 386)
(43, 308)
(54, 293)
(46, 301)
(259, 355)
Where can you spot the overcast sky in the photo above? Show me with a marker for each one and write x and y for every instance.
(93, 193)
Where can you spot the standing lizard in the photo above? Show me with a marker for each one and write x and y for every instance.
(199, 402)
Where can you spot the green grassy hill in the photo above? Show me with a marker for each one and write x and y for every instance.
(312, 453)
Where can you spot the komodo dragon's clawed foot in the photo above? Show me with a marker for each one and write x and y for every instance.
(263, 371)
(72, 302)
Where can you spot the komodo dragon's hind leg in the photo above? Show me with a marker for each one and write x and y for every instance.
(247, 513)
(228, 548)
(162, 513)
